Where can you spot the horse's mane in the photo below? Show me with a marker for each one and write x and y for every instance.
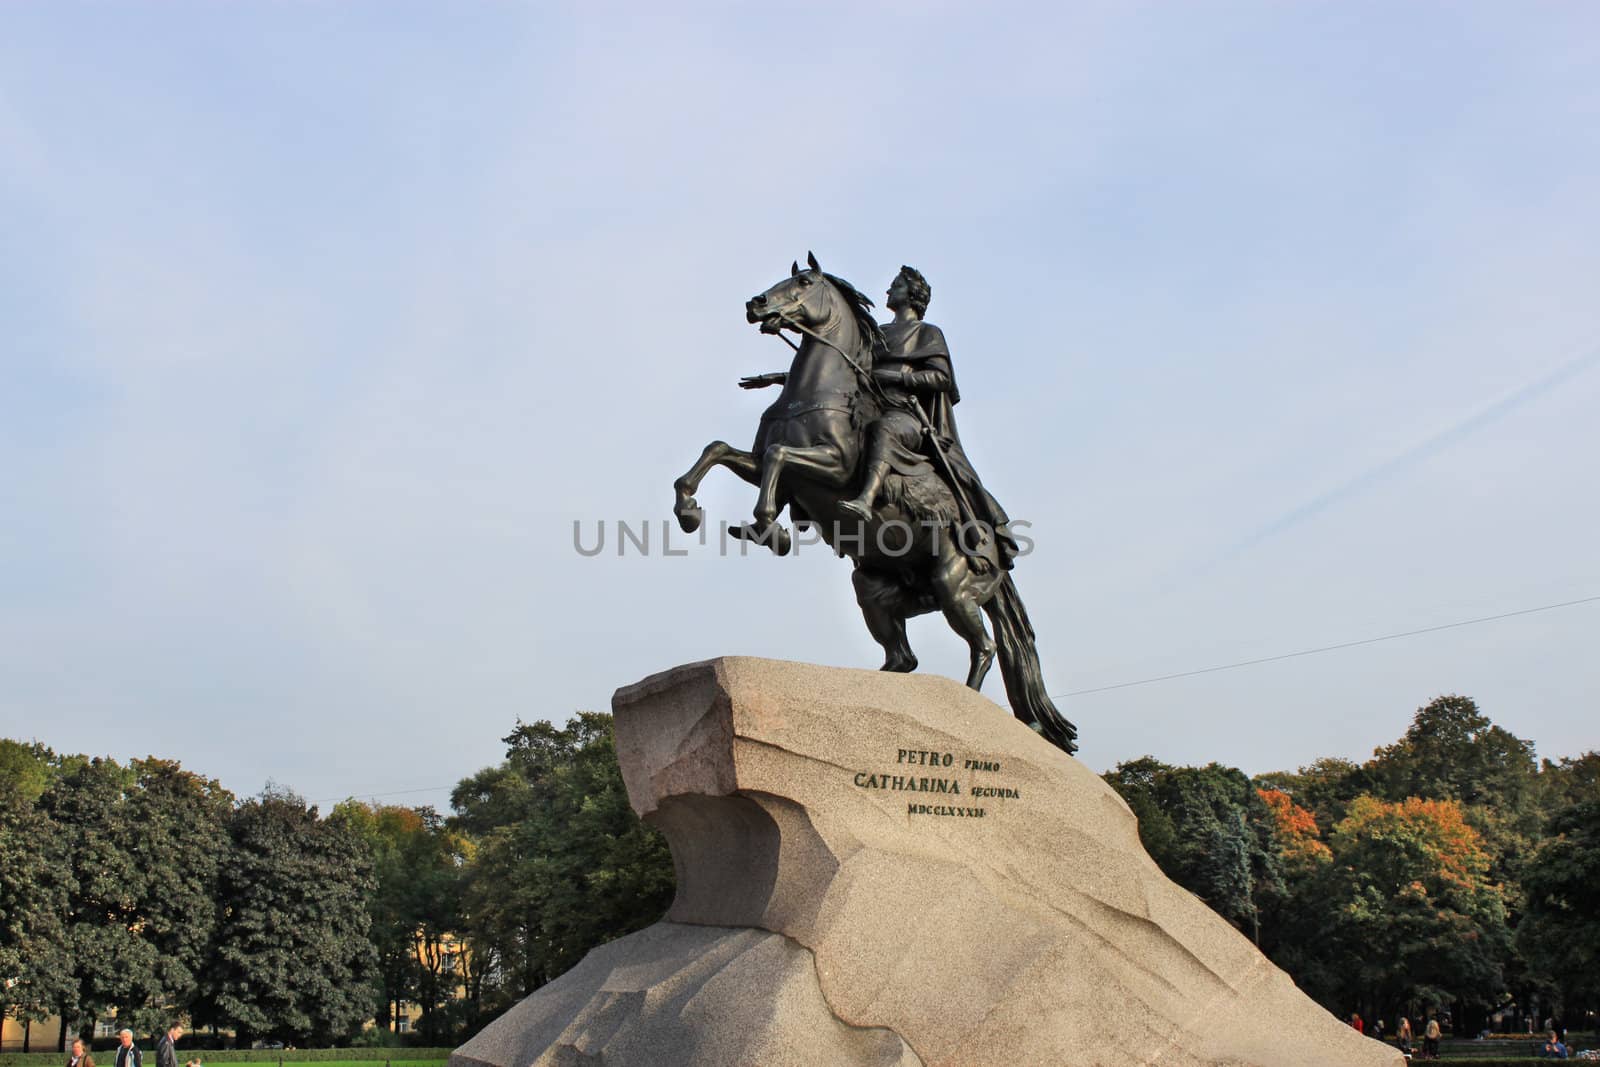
(861, 308)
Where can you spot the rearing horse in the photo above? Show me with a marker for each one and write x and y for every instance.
(806, 454)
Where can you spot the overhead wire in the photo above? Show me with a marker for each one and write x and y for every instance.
(1171, 677)
(1327, 648)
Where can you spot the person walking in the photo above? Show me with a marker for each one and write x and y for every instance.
(1403, 1035)
(79, 1056)
(128, 1054)
(166, 1048)
(1430, 1039)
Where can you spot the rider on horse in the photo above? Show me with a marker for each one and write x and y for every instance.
(916, 371)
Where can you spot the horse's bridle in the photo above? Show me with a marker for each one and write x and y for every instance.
(867, 379)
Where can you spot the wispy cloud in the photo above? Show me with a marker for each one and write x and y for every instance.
(1458, 431)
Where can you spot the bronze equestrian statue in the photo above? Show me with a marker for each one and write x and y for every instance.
(861, 445)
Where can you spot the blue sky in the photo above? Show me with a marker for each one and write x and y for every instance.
(325, 322)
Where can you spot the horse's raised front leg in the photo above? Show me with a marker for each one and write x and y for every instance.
(717, 453)
(819, 463)
(822, 463)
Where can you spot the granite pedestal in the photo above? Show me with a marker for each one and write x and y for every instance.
(885, 869)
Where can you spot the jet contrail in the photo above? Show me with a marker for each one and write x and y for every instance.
(1428, 446)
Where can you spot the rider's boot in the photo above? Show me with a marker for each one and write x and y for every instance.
(861, 506)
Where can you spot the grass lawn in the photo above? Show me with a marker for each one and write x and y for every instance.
(261, 1057)
(267, 1056)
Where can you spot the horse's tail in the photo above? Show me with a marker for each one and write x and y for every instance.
(1019, 666)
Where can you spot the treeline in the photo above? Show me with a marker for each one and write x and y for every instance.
(151, 892)
(1450, 872)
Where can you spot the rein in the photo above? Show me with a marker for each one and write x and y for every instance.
(867, 379)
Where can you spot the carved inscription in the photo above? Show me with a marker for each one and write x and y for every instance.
(907, 783)
(948, 771)
(929, 809)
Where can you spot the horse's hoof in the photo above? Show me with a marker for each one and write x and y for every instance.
(779, 541)
(690, 515)
(900, 665)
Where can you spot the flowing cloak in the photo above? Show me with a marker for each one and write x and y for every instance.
(920, 348)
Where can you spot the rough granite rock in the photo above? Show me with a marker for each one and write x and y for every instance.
(887, 869)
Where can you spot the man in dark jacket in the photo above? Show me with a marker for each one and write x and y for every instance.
(166, 1053)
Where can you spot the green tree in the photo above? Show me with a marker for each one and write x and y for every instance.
(1560, 929)
(35, 884)
(26, 770)
(437, 876)
(111, 964)
(414, 906)
(140, 912)
(292, 959)
(387, 830)
(1142, 784)
(562, 864)
(176, 833)
(1210, 831)
(1570, 780)
(1452, 751)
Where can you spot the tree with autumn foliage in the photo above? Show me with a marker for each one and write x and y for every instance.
(1295, 828)
(1421, 918)
(1292, 921)
(1404, 877)
(1452, 751)
(1394, 911)
(1325, 788)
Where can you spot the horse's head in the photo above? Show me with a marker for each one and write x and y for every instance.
(806, 297)
(813, 301)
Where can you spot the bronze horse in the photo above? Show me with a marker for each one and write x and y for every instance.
(907, 560)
